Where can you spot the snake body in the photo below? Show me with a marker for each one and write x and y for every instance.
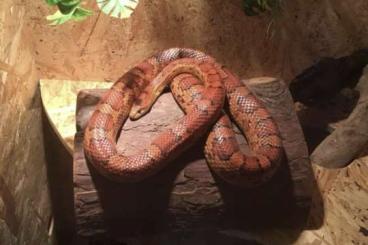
(199, 85)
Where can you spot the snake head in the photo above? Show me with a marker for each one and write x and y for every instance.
(138, 111)
(143, 104)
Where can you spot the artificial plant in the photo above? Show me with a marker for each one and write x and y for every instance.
(73, 10)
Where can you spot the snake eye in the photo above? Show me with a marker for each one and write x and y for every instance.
(139, 113)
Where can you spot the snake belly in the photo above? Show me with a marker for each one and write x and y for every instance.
(115, 106)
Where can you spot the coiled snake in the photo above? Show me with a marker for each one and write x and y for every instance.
(200, 86)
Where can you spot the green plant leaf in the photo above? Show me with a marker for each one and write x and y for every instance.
(81, 14)
(77, 14)
(70, 2)
(58, 18)
(52, 2)
(67, 6)
(117, 8)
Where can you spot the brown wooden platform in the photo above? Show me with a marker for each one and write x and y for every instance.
(186, 196)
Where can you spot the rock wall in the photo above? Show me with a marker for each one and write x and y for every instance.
(24, 199)
(280, 45)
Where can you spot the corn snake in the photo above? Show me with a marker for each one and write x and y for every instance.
(200, 86)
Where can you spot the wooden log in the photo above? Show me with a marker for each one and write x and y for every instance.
(185, 196)
(348, 140)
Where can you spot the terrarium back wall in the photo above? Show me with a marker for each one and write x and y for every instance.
(280, 45)
(24, 201)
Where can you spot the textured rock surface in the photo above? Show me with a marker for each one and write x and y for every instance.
(24, 200)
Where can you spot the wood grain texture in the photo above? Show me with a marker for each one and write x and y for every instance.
(350, 137)
(186, 196)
